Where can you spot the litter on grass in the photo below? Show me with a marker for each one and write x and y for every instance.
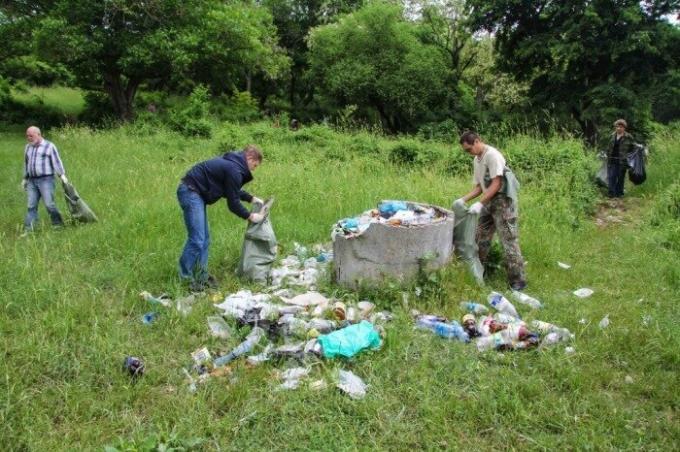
(351, 384)
(563, 265)
(583, 292)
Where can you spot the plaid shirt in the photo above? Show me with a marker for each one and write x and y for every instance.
(42, 159)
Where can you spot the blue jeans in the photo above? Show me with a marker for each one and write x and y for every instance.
(193, 263)
(616, 176)
(36, 188)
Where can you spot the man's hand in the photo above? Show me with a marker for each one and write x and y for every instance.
(476, 208)
(24, 184)
(458, 202)
(256, 218)
(63, 178)
(256, 200)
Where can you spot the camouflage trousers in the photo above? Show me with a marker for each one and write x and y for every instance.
(500, 215)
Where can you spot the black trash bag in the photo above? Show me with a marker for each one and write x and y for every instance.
(78, 208)
(636, 165)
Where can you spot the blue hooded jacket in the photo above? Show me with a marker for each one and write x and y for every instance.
(222, 177)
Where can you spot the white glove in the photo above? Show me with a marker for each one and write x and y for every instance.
(256, 218)
(476, 208)
(64, 179)
(256, 200)
(24, 184)
(458, 202)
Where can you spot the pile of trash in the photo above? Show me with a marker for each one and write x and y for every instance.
(292, 323)
(504, 330)
(393, 213)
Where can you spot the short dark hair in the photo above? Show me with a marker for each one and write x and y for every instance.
(469, 137)
(252, 152)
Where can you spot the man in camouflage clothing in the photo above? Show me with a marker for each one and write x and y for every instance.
(497, 209)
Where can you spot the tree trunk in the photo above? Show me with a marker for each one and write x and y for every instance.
(122, 95)
(588, 127)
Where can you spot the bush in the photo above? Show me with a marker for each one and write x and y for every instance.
(665, 218)
(98, 109)
(30, 69)
(412, 152)
(192, 120)
(241, 107)
(446, 131)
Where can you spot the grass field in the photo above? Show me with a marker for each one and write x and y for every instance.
(70, 310)
(70, 101)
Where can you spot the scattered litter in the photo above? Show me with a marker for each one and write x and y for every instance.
(628, 379)
(604, 323)
(149, 318)
(501, 304)
(163, 299)
(201, 356)
(442, 328)
(514, 336)
(293, 376)
(583, 292)
(351, 384)
(134, 366)
(473, 307)
(526, 299)
(350, 340)
(583, 321)
(318, 385)
(184, 304)
(569, 350)
(256, 360)
(307, 299)
(563, 265)
(218, 327)
(646, 319)
(244, 347)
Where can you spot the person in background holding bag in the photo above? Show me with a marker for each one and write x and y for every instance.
(204, 184)
(41, 164)
(620, 145)
(498, 207)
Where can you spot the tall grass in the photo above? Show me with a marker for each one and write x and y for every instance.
(70, 310)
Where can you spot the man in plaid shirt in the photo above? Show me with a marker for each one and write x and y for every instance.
(41, 164)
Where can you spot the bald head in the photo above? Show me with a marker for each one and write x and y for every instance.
(33, 135)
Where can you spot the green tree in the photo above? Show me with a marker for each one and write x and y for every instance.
(374, 59)
(589, 60)
(116, 45)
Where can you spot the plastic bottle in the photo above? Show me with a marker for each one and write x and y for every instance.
(244, 347)
(546, 328)
(526, 299)
(474, 308)
(501, 304)
(163, 299)
(604, 323)
(505, 318)
(451, 330)
(492, 342)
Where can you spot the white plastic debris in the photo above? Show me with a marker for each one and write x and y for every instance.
(201, 356)
(351, 384)
(293, 376)
(628, 379)
(646, 319)
(583, 321)
(604, 323)
(307, 299)
(563, 265)
(218, 327)
(184, 304)
(526, 299)
(255, 360)
(583, 292)
(569, 350)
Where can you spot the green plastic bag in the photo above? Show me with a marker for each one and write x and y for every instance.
(350, 340)
(259, 248)
(79, 210)
(464, 240)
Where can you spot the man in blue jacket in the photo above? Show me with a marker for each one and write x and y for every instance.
(205, 184)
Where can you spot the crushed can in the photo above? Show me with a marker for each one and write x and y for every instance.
(134, 366)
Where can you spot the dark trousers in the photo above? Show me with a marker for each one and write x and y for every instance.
(616, 175)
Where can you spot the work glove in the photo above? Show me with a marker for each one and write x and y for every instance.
(256, 200)
(476, 208)
(24, 184)
(63, 178)
(458, 202)
(256, 217)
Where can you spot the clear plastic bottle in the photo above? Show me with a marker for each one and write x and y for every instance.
(492, 342)
(526, 299)
(501, 304)
(547, 328)
(473, 307)
(244, 347)
(451, 330)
